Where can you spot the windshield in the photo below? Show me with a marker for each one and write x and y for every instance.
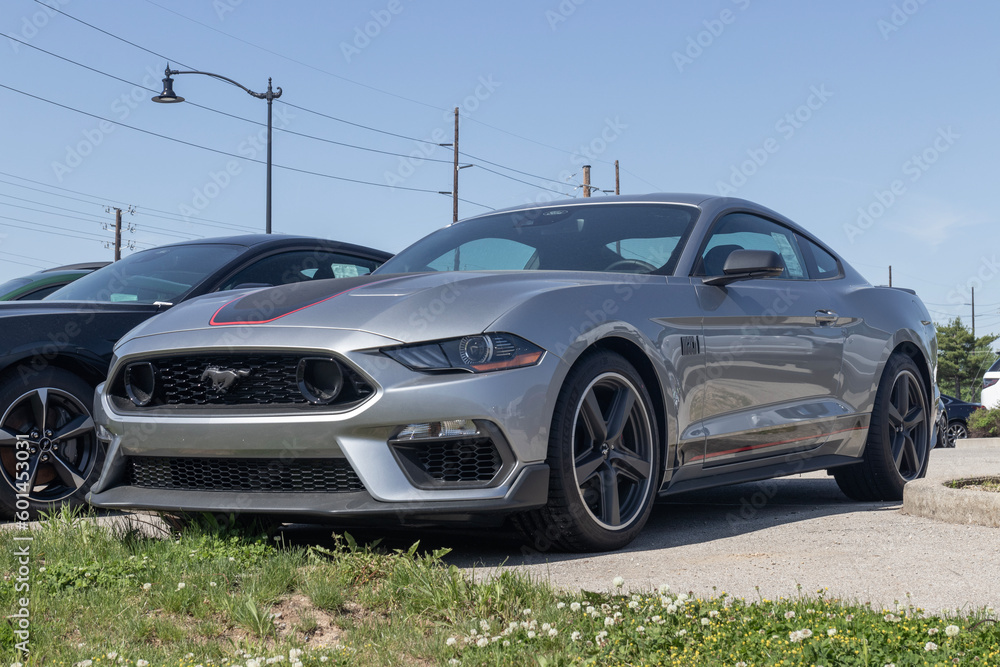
(622, 238)
(14, 284)
(160, 274)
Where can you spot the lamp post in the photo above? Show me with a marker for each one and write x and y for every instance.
(168, 97)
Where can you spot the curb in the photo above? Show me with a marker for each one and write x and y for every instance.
(930, 498)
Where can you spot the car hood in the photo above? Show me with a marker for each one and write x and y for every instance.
(405, 307)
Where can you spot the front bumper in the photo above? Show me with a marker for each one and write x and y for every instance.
(516, 402)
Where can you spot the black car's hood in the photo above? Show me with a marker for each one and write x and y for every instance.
(83, 329)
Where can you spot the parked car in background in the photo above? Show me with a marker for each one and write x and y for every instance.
(40, 284)
(55, 351)
(958, 417)
(561, 364)
(991, 386)
(941, 425)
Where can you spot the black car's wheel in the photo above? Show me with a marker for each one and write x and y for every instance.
(49, 452)
(604, 455)
(899, 437)
(957, 430)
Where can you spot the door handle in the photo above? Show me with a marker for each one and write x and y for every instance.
(825, 317)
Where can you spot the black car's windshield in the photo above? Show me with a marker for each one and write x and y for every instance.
(624, 238)
(160, 274)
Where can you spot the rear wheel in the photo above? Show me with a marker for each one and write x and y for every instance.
(899, 437)
(956, 431)
(604, 455)
(49, 452)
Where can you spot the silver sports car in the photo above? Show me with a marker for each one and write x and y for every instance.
(561, 365)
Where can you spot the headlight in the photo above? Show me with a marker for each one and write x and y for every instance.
(480, 353)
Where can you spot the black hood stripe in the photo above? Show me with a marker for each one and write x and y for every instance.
(270, 304)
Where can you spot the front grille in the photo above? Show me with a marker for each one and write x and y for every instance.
(460, 460)
(249, 475)
(265, 379)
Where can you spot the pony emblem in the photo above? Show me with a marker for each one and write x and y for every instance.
(223, 379)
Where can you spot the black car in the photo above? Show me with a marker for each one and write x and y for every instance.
(55, 351)
(958, 417)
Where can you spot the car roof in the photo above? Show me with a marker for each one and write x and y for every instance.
(278, 240)
(82, 266)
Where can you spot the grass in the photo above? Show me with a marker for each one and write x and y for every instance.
(219, 598)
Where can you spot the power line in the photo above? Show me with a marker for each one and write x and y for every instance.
(16, 261)
(220, 152)
(336, 76)
(520, 181)
(177, 218)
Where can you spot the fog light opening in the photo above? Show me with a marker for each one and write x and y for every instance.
(140, 383)
(320, 380)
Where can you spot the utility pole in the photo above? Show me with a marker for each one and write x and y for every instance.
(118, 234)
(454, 189)
(617, 189)
(973, 315)
(890, 275)
(586, 180)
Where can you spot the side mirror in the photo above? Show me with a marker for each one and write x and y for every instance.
(746, 265)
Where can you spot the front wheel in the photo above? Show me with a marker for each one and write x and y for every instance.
(49, 452)
(604, 455)
(899, 437)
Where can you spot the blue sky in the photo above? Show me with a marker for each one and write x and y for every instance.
(873, 123)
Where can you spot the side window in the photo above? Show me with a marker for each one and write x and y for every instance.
(821, 263)
(299, 266)
(742, 231)
(486, 255)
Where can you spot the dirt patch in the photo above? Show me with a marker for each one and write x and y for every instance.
(977, 484)
(298, 616)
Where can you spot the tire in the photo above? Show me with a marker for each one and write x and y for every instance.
(46, 422)
(957, 430)
(899, 437)
(601, 485)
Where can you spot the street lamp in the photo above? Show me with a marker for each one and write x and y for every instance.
(168, 97)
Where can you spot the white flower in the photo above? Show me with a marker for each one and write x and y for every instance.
(482, 641)
(231, 559)
(545, 627)
(930, 646)
(831, 632)
(111, 656)
(618, 582)
(473, 632)
(574, 606)
(575, 636)
(807, 633)
(16, 664)
(506, 642)
(672, 609)
(297, 663)
(526, 612)
(141, 663)
(531, 634)
(181, 586)
(741, 664)
(212, 584)
(641, 629)
(553, 632)
(633, 605)
(186, 655)
(789, 615)
(600, 635)
(682, 597)
(705, 621)
(932, 631)
(664, 589)
(951, 630)
(560, 605)
(608, 621)
(892, 618)
(146, 586)
(454, 661)
(713, 614)
(294, 653)
(681, 632)
(451, 641)
(84, 663)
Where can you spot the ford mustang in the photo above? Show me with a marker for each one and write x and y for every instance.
(559, 365)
